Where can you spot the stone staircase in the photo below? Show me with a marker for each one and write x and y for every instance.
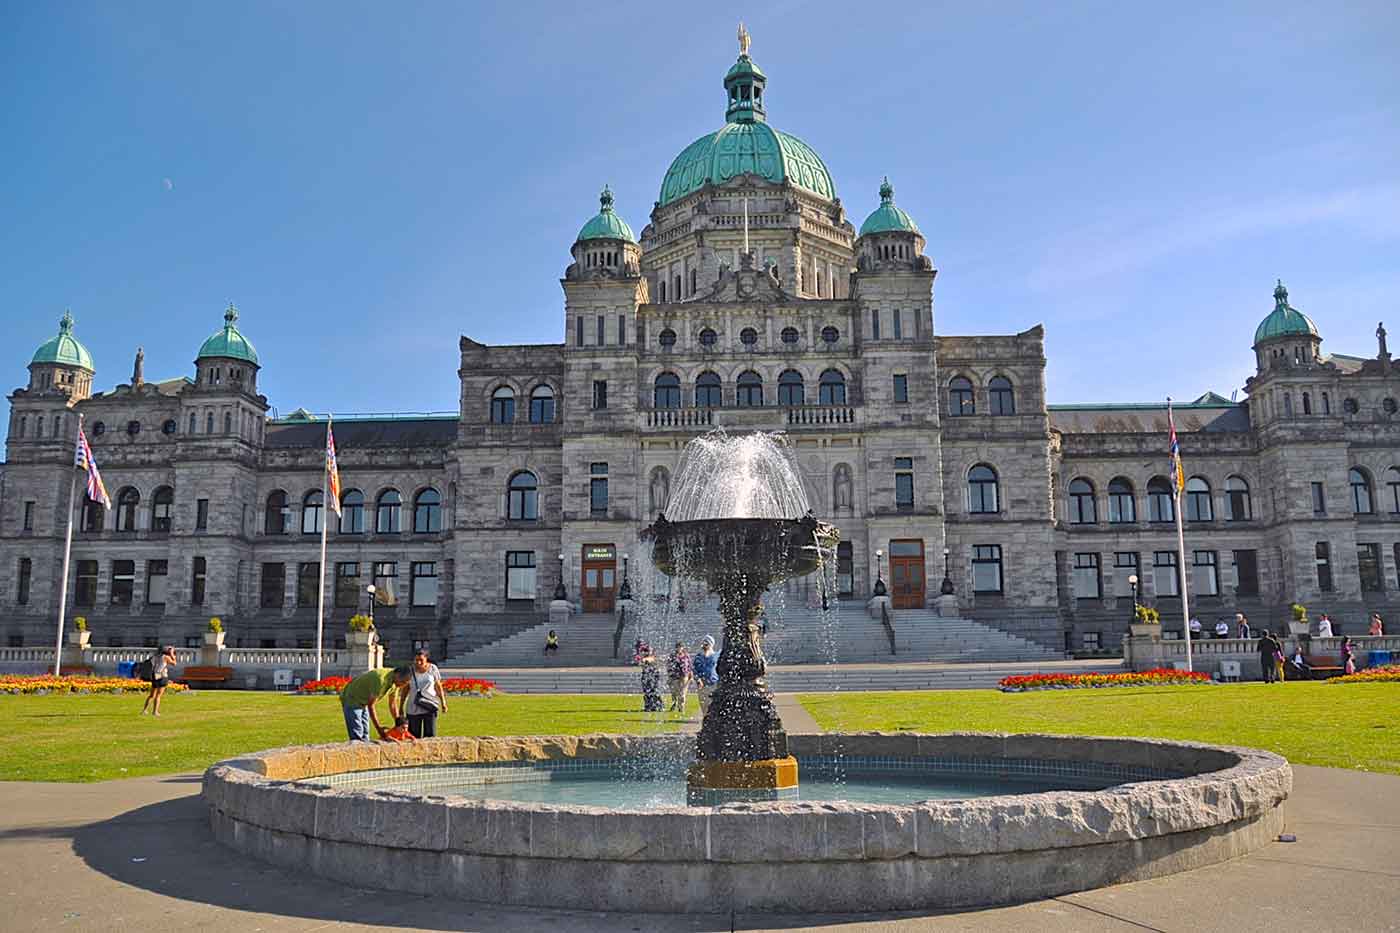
(794, 636)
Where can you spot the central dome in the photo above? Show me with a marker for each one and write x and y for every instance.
(746, 144)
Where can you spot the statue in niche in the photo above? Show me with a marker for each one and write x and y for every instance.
(138, 371)
(841, 498)
(660, 489)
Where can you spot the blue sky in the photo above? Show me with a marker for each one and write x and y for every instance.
(367, 181)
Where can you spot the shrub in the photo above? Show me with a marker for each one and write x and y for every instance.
(1146, 615)
(1385, 674)
(27, 685)
(361, 623)
(1162, 676)
(80, 623)
(216, 625)
(1300, 612)
(455, 686)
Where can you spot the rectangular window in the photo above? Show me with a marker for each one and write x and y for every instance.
(197, 581)
(274, 582)
(600, 394)
(1323, 557)
(622, 330)
(423, 585)
(845, 569)
(386, 583)
(201, 515)
(1319, 499)
(986, 568)
(598, 496)
(897, 317)
(874, 323)
(1086, 576)
(29, 516)
(85, 593)
(1368, 564)
(1164, 573)
(520, 575)
(1125, 565)
(1246, 572)
(157, 582)
(26, 570)
(123, 582)
(904, 484)
(1091, 641)
(1205, 573)
(601, 326)
(308, 585)
(901, 388)
(347, 585)
(578, 331)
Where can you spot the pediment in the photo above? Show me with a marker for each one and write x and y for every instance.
(747, 284)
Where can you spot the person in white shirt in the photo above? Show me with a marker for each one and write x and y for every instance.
(160, 678)
(1222, 628)
(1195, 627)
(1324, 627)
(426, 697)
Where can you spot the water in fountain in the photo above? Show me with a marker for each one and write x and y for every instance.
(737, 477)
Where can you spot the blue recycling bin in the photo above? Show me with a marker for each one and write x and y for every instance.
(126, 669)
(1377, 658)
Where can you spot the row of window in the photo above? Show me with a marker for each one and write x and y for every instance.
(1368, 566)
(1363, 492)
(347, 592)
(123, 588)
(1086, 579)
(748, 389)
(1350, 406)
(962, 401)
(388, 509)
(1083, 503)
(748, 337)
(541, 405)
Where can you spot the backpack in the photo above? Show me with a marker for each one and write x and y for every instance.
(146, 670)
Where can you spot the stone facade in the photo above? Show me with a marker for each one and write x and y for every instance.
(749, 302)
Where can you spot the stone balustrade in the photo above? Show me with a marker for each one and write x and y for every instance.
(246, 663)
(1143, 652)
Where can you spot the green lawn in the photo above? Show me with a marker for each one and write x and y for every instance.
(98, 737)
(1341, 726)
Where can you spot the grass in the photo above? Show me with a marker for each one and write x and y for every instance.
(100, 737)
(1334, 725)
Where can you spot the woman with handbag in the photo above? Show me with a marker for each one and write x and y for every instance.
(426, 698)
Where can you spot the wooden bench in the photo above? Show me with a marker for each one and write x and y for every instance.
(208, 674)
(1322, 666)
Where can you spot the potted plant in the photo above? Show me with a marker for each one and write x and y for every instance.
(1147, 621)
(80, 635)
(1299, 624)
(361, 630)
(214, 634)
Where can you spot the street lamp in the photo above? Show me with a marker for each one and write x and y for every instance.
(1133, 584)
(371, 591)
(624, 592)
(947, 588)
(879, 588)
(559, 590)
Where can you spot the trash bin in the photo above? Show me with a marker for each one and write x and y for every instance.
(251, 681)
(126, 669)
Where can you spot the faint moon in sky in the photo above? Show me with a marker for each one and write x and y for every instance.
(169, 185)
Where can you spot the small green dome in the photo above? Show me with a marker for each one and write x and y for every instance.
(887, 218)
(228, 343)
(64, 349)
(755, 148)
(606, 225)
(1284, 320)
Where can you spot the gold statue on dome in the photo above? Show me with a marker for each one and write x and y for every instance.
(743, 40)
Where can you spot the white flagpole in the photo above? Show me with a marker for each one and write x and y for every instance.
(67, 553)
(325, 521)
(746, 225)
(1181, 567)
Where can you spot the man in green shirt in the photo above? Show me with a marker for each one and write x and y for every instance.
(360, 695)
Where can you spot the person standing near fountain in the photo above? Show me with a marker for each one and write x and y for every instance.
(360, 695)
(651, 683)
(678, 673)
(702, 666)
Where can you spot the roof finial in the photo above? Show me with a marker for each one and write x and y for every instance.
(65, 323)
(1280, 295)
(743, 41)
(606, 198)
(886, 191)
(230, 315)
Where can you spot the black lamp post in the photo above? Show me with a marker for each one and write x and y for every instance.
(879, 588)
(1133, 584)
(624, 592)
(947, 588)
(371, 591)
(559, 590)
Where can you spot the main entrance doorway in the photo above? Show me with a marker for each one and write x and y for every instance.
(599, 579)
(907, 574)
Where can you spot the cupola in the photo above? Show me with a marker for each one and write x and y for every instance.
(227, 357)
(606, 245)
(1286, 337)
(62, 363)
(889, 238)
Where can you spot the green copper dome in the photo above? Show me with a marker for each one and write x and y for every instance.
(229, 343)
(887, 218)
(1284, 321)
(64, 349)
(746, 143)
(606, 225)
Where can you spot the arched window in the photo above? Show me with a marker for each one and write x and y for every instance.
(842, 497)
(1307, 404)
(128, 500)
(228, 422)
(667, 338)
(209, 422)
(693, 279)
(1198, 504)
(523, 497)
(275, 513)
(1392, 484)
(194, 423)
(162, 509)
(790, 335)
(427, 512)
(709, 391)
(666, 393)
(352, 512)
(789, 388)
(960, 399)
(830, 335)
(1122, 508)
(312, 506)
(982, 493)
(1361, 500)
(1238, 507)
(1350, 406)
(94, 515)
(749, 393)
(708, 338)
(386, 512)
(1160, 505)
(503, 405)
(1000, 396)
(677, 282)
(748, 337)
(541, 405)
(832, 388)
(662, 291)
(659, 490)
(1083, 510)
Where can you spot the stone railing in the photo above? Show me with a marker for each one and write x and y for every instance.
(109, 657)
(696, 418)
(21, 656)
(1141, 652)
(274, 658)
(837, 417)
(814, 415)
(251, 666)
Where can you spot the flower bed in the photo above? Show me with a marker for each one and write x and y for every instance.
(42, 684)
(455, 686)
(1386, 673)
(1162, 676)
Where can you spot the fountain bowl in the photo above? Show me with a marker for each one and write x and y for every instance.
(1164, 807)
(716, 549)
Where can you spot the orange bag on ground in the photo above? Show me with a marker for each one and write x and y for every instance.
(399, 733)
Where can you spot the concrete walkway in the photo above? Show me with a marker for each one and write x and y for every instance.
(138, 855)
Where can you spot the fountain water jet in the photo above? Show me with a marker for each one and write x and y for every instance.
(741, 523)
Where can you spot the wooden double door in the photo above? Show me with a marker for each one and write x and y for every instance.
(907, 580)
(598, 580)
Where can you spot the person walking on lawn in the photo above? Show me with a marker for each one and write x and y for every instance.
(160, 678)
(703, 667)
(678, 673)
(426, 698)
(359, 697)
(1266, 647)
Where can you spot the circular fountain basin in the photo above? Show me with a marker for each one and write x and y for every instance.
(964, 819)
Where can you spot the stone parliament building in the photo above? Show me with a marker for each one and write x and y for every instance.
(750, 302)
